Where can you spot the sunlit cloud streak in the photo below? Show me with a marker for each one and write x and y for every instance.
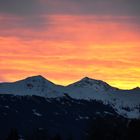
(66, 40)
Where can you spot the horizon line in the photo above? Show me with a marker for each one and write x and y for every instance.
(1, 82)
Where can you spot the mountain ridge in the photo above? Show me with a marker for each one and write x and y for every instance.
(82, 79)
(126, 102)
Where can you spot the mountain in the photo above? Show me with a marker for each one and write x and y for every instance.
(125, 102)
(63, 118)
(36, 85)
(97, 85)
(35, 108)
(62, 115)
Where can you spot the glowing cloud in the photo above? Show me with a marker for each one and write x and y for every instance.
(65, 46)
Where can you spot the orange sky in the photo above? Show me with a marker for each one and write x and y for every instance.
(67, 47)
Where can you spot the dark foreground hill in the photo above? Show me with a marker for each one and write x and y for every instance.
(39, 118)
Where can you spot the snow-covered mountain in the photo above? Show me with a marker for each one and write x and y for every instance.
(125, 102)
(36, 85)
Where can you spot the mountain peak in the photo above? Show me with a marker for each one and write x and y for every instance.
(86, 78)
(37, 77)
(90, 80)
(87, 82)
(37, 80)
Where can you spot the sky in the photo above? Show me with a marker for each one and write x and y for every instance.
(66, 40)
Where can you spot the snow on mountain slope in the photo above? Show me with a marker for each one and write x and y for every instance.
(126, 102)
(36, 85)
(97, 85)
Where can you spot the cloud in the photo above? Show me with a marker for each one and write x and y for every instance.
(114, 8)
(70, 28)
(20, 7)
(31, 13)
(68, 39)
(98, 7)
(21, 14)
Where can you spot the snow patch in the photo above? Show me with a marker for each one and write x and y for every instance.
(36, 113)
